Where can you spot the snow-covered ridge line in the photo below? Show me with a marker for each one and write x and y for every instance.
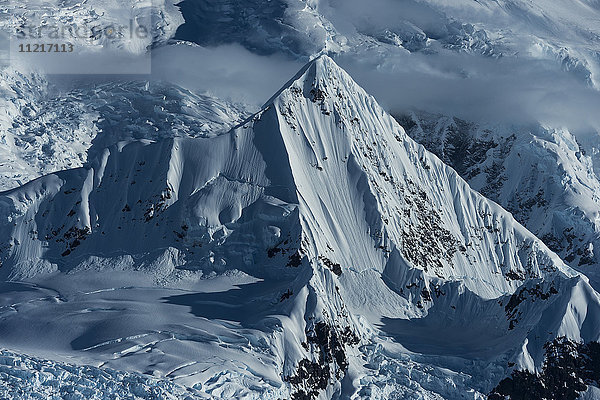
(41, 133)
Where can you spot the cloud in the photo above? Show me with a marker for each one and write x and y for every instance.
(228, 72)
(510, 90)
(477, 88)
(374, 15)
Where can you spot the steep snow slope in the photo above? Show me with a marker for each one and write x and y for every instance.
(352, 246)
(543, 176)
(44, 128)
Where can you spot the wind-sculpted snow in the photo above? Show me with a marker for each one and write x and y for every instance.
(334, 231)
(43, 132)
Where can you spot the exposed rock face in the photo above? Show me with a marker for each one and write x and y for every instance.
(541, 175)
(568, 369)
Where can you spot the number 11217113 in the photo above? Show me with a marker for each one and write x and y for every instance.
(45, 48)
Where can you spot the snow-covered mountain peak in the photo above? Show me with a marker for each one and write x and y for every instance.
(317, 78)
(347, 230)
(322, 146)
(323, 112)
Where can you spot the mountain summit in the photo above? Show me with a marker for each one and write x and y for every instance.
(358, 255)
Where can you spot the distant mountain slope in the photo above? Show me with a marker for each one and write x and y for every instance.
(367, 253)
(86, 24)
(543, 176)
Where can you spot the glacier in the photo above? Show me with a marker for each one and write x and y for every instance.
(48, 126)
